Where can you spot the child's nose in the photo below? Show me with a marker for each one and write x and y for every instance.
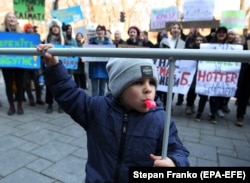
(148, 88)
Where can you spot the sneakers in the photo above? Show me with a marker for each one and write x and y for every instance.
(220, 113)
(198, 117)
(213, 119)
(239, 122)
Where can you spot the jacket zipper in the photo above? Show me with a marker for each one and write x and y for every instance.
(121, 148)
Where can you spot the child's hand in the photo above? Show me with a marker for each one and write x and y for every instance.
(50, 60)
(158, 162)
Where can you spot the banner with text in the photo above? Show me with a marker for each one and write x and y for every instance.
(19, 40)
(159, 17)
(28, 10)
(217, 78)
(68, 15)
(183, 75)
(198, 10)
(67, 61)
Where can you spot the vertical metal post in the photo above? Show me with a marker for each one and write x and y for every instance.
(171, 61)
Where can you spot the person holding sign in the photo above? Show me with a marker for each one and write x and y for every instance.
(13, 76)
(123, 130)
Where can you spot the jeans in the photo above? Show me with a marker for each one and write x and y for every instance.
(98, 86)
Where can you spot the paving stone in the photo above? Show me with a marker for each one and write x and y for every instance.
(227, 152)
(54, 150)
(43, 136)
(243, 153)
(27, 146)
(26, 176)
(217, 141)
(70, 169)
(74, 130)
(39, 165)
(80, 142)
(9, 141)
(14, 159)
(81, 153)
(4, 130)
(230, 134)
(206, 163)
(202, 151)
(232, 162)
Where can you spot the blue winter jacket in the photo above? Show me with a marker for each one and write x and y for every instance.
(98, 69)
(116, 139)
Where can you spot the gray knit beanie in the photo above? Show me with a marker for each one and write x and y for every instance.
(124, 71)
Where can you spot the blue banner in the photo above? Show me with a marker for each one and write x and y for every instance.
(68, 15)
(19, 40)
(68, 62)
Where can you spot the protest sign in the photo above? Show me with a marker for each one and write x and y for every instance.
(198, 10)
(68, 61)
(183, 75)
(68, 15)
(160, 16)
(233, 19)
(19, 40)
(217, 78)
(26, 9)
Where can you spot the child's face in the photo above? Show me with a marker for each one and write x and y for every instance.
(134, 96)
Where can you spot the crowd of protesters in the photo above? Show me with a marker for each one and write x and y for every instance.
(171, 38)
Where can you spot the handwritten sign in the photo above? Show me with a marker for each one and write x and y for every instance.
(19, 40)
(31, 11)
(233, 19)
(198, 10)
(97, 59)
(68, 15)
(183, 75)
(67, 61)
(160, 16)
(216, 78)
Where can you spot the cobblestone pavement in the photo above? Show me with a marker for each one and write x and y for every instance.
(51, 148)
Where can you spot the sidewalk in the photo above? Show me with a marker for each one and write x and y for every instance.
(51, 148)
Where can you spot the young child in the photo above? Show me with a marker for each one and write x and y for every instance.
(121, 131)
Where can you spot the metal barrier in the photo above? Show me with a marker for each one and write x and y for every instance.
(170, 54)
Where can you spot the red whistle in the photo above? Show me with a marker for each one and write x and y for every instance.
(150, 104)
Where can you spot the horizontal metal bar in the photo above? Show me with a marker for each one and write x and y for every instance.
(177, 54)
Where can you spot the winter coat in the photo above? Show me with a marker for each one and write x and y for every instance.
(116, 139)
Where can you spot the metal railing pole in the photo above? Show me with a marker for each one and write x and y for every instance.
(160, 53)
(171, 61)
